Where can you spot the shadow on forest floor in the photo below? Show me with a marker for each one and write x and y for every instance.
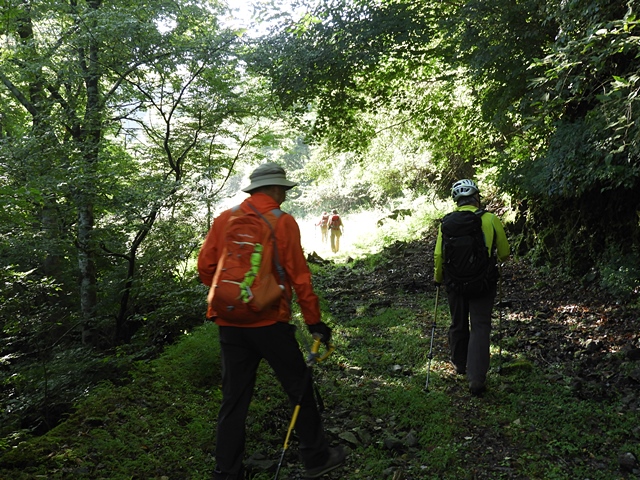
(581, 344)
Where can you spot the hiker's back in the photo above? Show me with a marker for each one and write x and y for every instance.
(245, 285)
(468, 267)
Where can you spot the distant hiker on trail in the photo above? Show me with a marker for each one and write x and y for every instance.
(323, 223)
(337, 229)
(469, 245)
(265, 333)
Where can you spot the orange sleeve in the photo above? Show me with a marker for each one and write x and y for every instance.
(295, 265)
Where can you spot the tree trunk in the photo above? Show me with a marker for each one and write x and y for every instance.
(90, 138)
(86, 264)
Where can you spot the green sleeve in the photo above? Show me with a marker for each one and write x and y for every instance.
(437, 259)
(502, 244)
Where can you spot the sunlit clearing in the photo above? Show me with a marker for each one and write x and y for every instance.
(357, 227)
(370, 231)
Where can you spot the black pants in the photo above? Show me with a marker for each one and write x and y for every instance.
(470, 333)
(242, 350)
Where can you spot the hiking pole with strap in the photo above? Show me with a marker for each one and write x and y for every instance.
(433, 330)
(312, 358)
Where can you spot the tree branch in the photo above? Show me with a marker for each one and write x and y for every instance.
(24, 101)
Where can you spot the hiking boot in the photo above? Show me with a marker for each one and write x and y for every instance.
(477, 388)
(459, 370)
(218, 475)
(336, 458)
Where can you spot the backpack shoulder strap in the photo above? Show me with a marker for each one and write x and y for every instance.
(276, 256)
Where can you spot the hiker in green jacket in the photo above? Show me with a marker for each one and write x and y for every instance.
(470, 330)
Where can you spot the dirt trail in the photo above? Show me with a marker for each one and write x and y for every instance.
(553, 321)
(574, 327)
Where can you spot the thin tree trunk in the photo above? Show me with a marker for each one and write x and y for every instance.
(90, 139)
(40, 164)
(86, 264)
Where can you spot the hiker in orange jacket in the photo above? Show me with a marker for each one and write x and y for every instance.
(271, 337)
(337, 228)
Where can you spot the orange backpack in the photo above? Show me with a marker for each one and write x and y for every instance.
(244, 285)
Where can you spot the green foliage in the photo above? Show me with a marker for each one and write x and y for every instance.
(16, 205)
(578, 162)
(35, 374)
(43, 386)
(343, 57)
(620, 273)
(167, 110)
(550, 424)
(588, 163)
(118, 129)
(496, 46)
(540, 92)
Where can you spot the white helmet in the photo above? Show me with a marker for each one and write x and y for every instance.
(464, 188)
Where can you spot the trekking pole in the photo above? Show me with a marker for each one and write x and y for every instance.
(433, 330)
(314, 357)
(500, 308)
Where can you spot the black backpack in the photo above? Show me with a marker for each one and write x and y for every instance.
(468, 268)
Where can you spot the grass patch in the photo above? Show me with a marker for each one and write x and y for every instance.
(160, 424)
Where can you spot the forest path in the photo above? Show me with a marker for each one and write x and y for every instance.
(575, 337)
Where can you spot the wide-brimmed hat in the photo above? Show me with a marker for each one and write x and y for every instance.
(268, 174)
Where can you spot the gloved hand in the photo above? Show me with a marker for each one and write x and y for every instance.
(322, 329)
